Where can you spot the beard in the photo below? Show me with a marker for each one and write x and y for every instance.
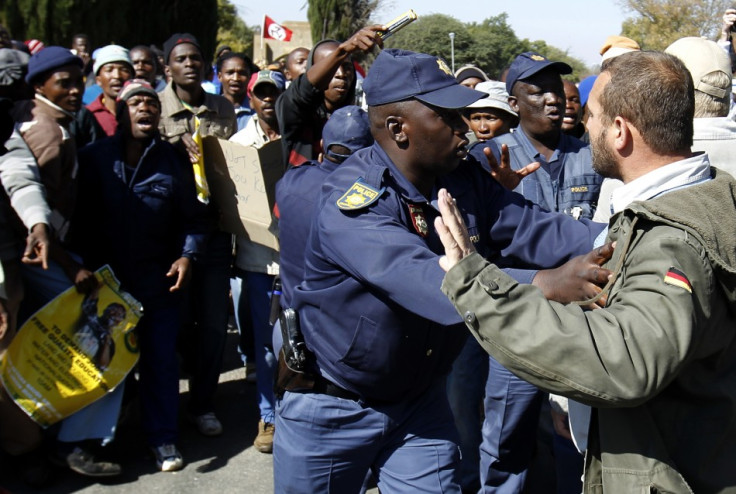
(604, 161)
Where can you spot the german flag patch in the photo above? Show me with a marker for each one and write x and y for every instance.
(676, 277)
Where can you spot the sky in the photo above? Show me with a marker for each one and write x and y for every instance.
(578, 26)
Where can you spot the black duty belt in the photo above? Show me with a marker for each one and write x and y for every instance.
(327, 387)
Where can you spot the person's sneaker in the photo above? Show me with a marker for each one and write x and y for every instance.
(250, 372)
(84, 463)
(264, 439)
(208, 425)
(168, 458)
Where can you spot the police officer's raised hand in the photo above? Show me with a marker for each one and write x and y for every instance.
(503, 173)
(579, 279)
(452, 231)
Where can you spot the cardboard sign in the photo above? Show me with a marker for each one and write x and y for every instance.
(242, 180)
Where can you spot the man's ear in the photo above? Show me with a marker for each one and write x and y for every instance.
(621, 133)
(514, 104)
(167, 72)
(396, 126)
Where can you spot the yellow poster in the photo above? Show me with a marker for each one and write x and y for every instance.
(73, 351)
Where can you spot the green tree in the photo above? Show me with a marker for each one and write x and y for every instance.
(339, 19)
(579, 69)
(495, 44)
(657, 23)
(231, 30)
(430, 34)
(491, 44)
(126, 23)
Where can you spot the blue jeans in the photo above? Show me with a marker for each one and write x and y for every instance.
(257, 296)
(465, 390)
(326, 444)
(243, 320)
(512, 408)
(206, 334)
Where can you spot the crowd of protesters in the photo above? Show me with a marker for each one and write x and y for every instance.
(101, 164)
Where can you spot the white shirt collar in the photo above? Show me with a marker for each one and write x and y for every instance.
(675, 175)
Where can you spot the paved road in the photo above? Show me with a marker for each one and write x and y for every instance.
(219, 465)
(223, 464)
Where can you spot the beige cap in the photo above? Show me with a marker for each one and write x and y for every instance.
(497, 97)
(701, 57)
(617, 45)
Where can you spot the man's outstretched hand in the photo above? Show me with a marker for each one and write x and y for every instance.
(452, 231)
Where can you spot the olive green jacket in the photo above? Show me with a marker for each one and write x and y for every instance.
(658, 364)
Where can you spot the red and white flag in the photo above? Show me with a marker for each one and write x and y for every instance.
(274, 30)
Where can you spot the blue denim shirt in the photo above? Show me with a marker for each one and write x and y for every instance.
(566, 183)
(370, 304)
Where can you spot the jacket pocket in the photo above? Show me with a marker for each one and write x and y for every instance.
(359, 353)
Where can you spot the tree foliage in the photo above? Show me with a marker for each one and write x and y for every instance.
(127, 23)
(657, 23)
(232, 30)
(339, 19)
(491, 44)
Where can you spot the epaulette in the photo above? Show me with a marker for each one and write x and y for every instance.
(359, 195)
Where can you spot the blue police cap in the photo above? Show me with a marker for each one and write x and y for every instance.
(529, 63)
(349, 127)
(398, 75)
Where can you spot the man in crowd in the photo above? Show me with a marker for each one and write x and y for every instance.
(572, 123)
(20, 436)
(234, 72)
(145, 66)
(470, 76)
(296, 64)
(185, 109)
(56, 76)
(710, 68)
(82, 48)
(5, 40)
(137, 198)
(256, 265)
(491, 116)
(658, 362)
(328, 84)
(382, 337)
(112, 68)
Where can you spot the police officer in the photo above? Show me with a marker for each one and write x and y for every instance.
(370, 307)
(565, 182)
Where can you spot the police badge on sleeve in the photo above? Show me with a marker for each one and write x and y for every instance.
(358, 196)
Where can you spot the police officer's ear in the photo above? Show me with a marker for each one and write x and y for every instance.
(396, 126)
(514, 104)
